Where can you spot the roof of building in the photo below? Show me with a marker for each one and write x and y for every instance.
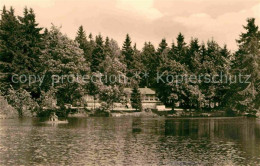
(145, 90)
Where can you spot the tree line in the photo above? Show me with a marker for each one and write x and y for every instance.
(26, 48)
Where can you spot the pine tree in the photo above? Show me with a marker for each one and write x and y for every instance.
(193, 55)
(9, 48)
(211, 66)
(162, 52)
(128, 54)
(32, 45)
(203, 52)
(181, 49)
(180, 41)
(137, 66)
(173, 52)
(194, 97)
(107, 43)
(21, 48)
(21, 45)
(150, 62)
(247, 62)
(98, 54)
(84, 44)
(91, 41)
(45, 33)
(107, 47)
(136, 101)
(81, 35)
(162, 46)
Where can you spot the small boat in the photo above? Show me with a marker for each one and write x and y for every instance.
(54, 120)
(57, 122)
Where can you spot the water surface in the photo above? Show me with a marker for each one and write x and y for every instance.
(131, 141)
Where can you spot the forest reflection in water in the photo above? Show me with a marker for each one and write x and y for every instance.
(131, 141)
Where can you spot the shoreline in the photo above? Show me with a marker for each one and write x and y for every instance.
(127, 114)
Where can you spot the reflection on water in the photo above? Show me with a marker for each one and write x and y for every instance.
(131, 141)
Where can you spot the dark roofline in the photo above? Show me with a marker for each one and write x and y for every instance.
(145, 90)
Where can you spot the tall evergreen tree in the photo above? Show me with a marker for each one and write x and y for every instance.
(203, 52)
(247, 62)
(162, 52)
(91, 41)
(84, 44)
(193, 55)
(136, 101)
(210, 67)
(224, 67)
(9, 48)
(172, 52)
(150, 63)
(128, 54)
(32, 45)
(107, 47)
(127, 50)
(98, 54)
(21, 45)
(81, 35)
(181, 49)
(162, 46)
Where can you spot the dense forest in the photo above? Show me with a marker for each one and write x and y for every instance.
(29, 50)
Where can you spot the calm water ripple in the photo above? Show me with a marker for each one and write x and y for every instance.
(131, 141)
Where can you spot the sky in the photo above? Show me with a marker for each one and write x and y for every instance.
(146, 20)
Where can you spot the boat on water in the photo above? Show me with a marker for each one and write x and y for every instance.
(57, 122)
(54, 120)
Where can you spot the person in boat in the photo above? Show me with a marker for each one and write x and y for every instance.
(53, 117)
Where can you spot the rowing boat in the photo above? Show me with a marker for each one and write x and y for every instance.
(57, 122)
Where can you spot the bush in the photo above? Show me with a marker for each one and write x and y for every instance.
(21, 100)
(6, 110)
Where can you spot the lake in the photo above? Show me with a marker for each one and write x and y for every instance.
(131, 141)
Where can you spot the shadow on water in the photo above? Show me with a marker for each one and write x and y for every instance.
(131, 141)
(136, 125)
